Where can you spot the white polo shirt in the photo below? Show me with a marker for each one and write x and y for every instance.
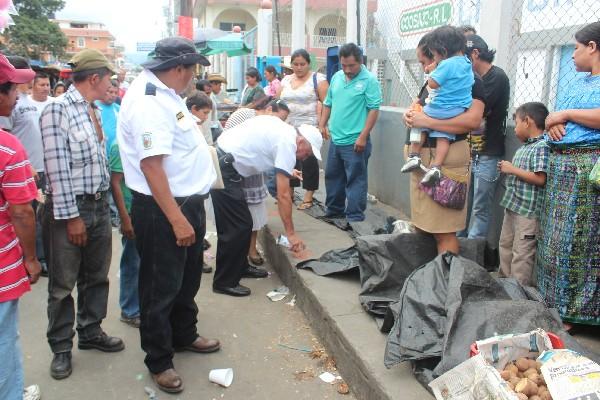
(260, 144)
(155, 121)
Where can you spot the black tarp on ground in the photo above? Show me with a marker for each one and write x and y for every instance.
(450, 303)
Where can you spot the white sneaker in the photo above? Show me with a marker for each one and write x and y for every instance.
(412, 163)
(32, 393)
(432, 177)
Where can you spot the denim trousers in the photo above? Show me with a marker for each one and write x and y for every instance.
(70, 265)
(169, 278)
(485, 179)
(11, 367)
(346, 181)
(129, 273)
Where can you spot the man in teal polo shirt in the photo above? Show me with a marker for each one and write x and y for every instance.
(350, 112)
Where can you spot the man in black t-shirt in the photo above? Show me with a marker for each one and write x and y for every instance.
(488, 143)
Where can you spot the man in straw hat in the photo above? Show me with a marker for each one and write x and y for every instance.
(19, 266)
(168, 167)
(77, 216)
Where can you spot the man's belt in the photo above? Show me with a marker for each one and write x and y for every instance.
(92, 197)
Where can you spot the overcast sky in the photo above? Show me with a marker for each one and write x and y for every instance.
(130, 21)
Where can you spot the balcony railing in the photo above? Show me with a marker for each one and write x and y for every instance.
(315, 41)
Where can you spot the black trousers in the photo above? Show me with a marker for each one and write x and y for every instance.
(169, 278)
(310, 174)
(85, 267)
(234, 227)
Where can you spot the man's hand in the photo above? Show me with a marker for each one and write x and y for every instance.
(557, 132)
(296, 244)
(127, 227)
(76, 232)
(325, 132)
(506, 167)
(184, 233)
(34, 269)
(360, 144)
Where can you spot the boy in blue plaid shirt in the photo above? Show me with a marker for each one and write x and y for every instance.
(525, 181)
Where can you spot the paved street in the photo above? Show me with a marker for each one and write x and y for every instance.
(256, 336)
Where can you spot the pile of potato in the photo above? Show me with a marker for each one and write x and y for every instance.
(525, 378)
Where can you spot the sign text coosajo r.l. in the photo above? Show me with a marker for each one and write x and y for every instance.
(425, 17)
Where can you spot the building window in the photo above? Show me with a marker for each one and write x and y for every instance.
(95, 39)
(228, 26)
(80, 42)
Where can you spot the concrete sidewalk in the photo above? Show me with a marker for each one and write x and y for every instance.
(332, 306)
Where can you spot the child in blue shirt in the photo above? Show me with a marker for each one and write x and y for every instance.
(449, 95)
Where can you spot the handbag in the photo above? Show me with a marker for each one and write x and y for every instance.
(449, 193)
(595, 175)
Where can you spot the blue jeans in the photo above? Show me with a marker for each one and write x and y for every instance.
(346, 181)
(129, 299)
(485, 178)
(11, 367)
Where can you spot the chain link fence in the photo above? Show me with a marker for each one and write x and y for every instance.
(541, 47)
(539, 61)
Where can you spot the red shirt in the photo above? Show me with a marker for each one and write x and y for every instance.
(17, 186)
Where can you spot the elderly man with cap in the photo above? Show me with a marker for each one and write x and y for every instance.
(76, 216)
(168, 168)
(257, 145)
(19, 267)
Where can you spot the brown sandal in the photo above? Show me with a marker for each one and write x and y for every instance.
(305, 205)
(168, 381)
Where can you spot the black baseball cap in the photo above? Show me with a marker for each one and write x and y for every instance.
(173, 51)
(476, 42)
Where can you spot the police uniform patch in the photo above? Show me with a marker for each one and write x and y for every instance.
(179, 116)
(147, 140)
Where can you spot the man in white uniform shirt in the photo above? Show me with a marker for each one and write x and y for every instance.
(168, 168)
(253, 147)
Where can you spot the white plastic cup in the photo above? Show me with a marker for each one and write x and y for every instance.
(222, 377)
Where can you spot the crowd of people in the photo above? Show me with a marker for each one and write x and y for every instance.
(154, 157)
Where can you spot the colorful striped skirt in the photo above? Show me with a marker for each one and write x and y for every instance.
(568, 255)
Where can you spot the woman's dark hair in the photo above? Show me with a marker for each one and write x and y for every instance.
(446, 41)
(589, 33)
(271, 69)
(423, 46)
(487, 55)
(253, 73)
(199, 99)
(268, 101)
(350, 49)
(201, 84)
(300, 53)
(536, 111)
(6, 87)
(83, 75)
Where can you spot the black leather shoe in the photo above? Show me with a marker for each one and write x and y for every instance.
(206, 269)
(109, 344)
(254, 272)
(60, 368)
(237, 291)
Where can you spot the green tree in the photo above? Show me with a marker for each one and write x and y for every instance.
(33, 33)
